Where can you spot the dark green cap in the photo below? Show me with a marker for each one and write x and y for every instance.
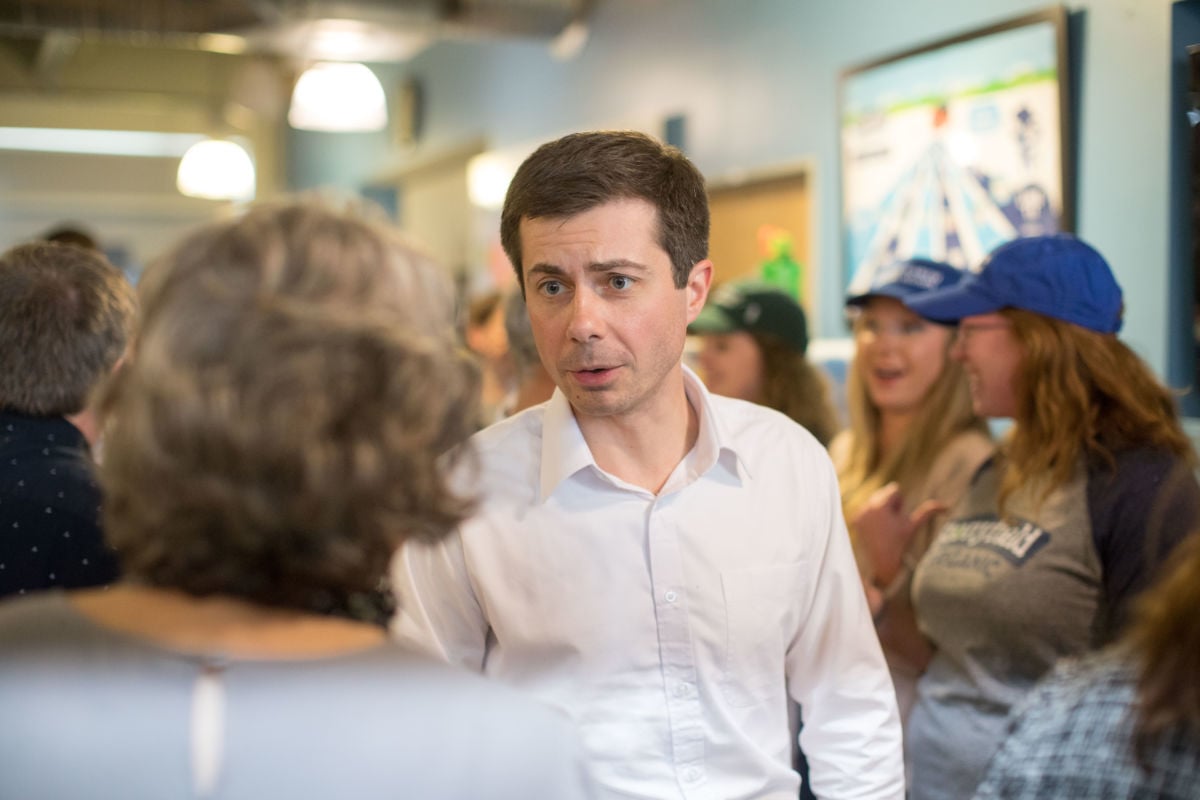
(754, 308)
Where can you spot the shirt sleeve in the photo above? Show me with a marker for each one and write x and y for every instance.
(837, 673)
(1139, 512)
(437, 608)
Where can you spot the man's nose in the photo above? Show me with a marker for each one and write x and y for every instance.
(587, 317)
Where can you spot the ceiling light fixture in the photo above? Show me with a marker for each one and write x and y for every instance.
(488, 176)
(145, 144)
(333, 96)
(216, 169)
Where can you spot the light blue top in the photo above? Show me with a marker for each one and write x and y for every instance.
(89, 712)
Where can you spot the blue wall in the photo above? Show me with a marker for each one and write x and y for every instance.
(757, 82)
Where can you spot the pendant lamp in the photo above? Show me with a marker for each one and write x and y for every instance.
(216, 169)
(336, 96)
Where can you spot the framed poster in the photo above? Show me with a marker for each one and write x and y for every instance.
(953, 148)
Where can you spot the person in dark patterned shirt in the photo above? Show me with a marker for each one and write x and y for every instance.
(65, 317)
(1125, 723)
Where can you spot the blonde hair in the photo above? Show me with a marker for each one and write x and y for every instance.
(280, 427)
(945, 413)
(792, 385)
(1080, 393)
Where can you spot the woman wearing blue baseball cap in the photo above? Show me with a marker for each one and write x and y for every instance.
(1088, 492)
(913, 442)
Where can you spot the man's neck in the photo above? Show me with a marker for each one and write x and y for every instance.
(85, 421)
(643, 448)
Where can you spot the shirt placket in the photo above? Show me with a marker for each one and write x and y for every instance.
(676, 652)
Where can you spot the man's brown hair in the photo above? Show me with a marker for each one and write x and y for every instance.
(580, 171)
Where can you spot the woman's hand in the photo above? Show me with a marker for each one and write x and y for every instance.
(884, 531)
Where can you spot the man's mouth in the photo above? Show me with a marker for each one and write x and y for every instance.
(592, 376)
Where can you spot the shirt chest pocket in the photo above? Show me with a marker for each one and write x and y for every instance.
(762, 610)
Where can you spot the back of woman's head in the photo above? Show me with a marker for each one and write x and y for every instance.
(1081, 392)
(280, 426)
(1165, 642)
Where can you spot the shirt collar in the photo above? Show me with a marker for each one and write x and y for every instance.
(58, 430)
(715, 442)
(565, 452)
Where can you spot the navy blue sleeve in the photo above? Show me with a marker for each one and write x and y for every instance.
(50, 529)
(1139, 511)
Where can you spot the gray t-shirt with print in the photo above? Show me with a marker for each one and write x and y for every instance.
(1003, 600)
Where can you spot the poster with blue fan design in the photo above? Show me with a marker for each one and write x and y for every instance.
(952, 149)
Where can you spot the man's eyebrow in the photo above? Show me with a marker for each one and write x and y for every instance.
(545, 269)
(622, 264)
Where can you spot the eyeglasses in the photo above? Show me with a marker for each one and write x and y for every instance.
(865, 325)
(963, 333)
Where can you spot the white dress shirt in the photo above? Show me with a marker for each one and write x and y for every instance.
(672, 627)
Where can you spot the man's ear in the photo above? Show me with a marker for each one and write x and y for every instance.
(698, 283)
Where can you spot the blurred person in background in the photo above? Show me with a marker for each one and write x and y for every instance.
(72, 234)
(913, 441)
(1087, 494)
(754, 340)
(533, 384)
(66, 315)
(486, 338)
(280, 428)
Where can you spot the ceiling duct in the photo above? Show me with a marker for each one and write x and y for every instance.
(276, 26)
(127, 18)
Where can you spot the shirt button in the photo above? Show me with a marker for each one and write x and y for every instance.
(670, 597)
(682, 689)
(691, 774)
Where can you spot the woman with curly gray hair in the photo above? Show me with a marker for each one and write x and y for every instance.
(288, 416)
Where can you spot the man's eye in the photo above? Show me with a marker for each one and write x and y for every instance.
(550, 288)
(620, 281)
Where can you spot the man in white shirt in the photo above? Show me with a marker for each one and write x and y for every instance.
(668, 566)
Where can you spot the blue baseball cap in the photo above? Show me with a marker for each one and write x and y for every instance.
(906, 278)
(1058, 276)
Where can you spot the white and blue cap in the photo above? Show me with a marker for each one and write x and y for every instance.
(903, 279)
